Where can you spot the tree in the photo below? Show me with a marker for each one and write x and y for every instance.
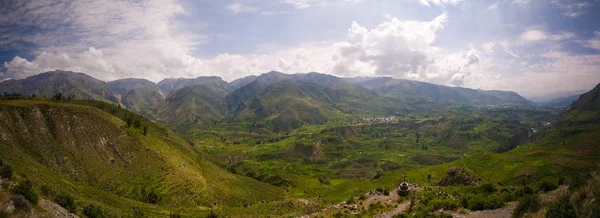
(137, 123)
(145, 130)
(58, 96)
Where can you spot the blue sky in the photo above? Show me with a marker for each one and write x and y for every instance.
(532, 47)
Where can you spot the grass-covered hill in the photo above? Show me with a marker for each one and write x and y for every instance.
(441, 94)
(190, 106)
(48, 84)
(107, 156)
(137, 95)
(289, 101)
(170, 85)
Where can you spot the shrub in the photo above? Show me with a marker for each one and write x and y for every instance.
(485, 202)
(6, 171)
(4, 214)
(525, 190)
(93, 211)
(546, 186)
(487, 188)
(47, 191)
(464, 201)
(212, 214)
(66, 201)
(386, 192)
(174, 215)
(446, 204)
(561, 208)
(530, 203)
(137, 212)
(21, 203)
(150, 197)
(26, 190)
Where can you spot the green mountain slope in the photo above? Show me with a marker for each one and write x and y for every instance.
(137, 95)
(170, 85)
(440, 94)
(238, 83)
(68, 83)
(562, 102)
(288, 101)
(192, 105)
(86, 148)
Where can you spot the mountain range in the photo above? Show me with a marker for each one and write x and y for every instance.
(282, 101)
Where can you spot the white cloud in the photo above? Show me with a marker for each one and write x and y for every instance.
(120, 40)
(109, 40)
(403, 49)
(593, 42)
(396, 48)
(520, 1)
(493, 6)
(534, 35)
(488, 47)
(440, 3)
(301, 4)
(572, 8)
(237, 8)
(554, 74)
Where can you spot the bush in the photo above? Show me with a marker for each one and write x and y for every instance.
(530, 203)
(47, 191)
(21, 203)
(487, 188)
(526, 190)
(446, 204)
(562, 208)
(6, 171)
(137, 212)
(26, 190)
(66, 201)
(93, 211)
(150, 197)
(546, 186)
(485, 202)
(174, 215)
(212, 214)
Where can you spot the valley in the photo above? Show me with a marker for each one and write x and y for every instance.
(291, 145)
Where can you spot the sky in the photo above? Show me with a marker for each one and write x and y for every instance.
(533, 47)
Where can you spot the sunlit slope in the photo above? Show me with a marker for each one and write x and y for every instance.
(81, 85)
(190, 106)
(289, 101)
(137, 95)
(415, 90)
(87, 147)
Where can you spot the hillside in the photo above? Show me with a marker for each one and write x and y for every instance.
(137, 95)
(288, 101)
(68, 83)
(87, 149)
(562, 102)
(440, 94)
(238, 83)
(171, 85)
(192, 105)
